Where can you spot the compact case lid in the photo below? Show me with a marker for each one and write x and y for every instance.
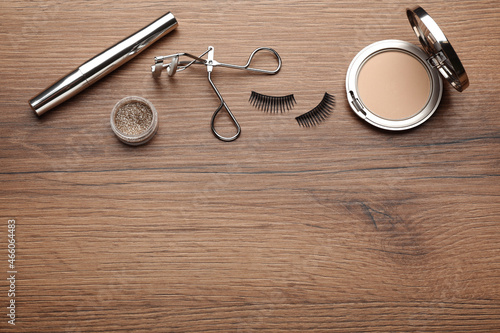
(437, 46)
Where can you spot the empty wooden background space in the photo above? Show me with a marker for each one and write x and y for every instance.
(340, 227)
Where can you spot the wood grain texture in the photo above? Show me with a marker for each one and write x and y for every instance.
(340, 227)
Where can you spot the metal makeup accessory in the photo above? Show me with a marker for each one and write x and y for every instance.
(99, 66)
(134, 120)
(176, 65)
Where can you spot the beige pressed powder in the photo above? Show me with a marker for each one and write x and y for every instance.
(394, 85)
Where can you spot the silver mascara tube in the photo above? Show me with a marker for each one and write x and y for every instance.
(102, 64)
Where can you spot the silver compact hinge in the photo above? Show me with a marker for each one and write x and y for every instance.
(437, 60)
(357, 104)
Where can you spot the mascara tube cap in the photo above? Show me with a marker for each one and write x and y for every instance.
(102, 64)
(60, 91)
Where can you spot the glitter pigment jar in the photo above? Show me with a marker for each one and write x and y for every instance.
(134, 120)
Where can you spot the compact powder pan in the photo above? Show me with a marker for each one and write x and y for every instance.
(395, 85)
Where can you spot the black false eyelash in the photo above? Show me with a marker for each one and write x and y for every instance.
(272, 103)
(319, 113)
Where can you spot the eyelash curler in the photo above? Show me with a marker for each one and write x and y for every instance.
(175, 65)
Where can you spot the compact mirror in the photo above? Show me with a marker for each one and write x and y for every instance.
(395, 85)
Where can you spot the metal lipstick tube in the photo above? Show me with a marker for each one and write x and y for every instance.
(102, 64)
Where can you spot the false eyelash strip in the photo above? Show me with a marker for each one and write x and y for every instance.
(272, 103)
(319, 113)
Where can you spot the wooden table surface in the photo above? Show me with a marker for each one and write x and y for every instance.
(341, 227)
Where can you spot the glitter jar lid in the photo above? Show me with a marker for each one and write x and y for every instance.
(134, 120)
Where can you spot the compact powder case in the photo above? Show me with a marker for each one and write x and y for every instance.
(395, 85)
(134, 120)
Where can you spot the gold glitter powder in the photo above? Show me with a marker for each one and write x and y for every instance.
(133, 118)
